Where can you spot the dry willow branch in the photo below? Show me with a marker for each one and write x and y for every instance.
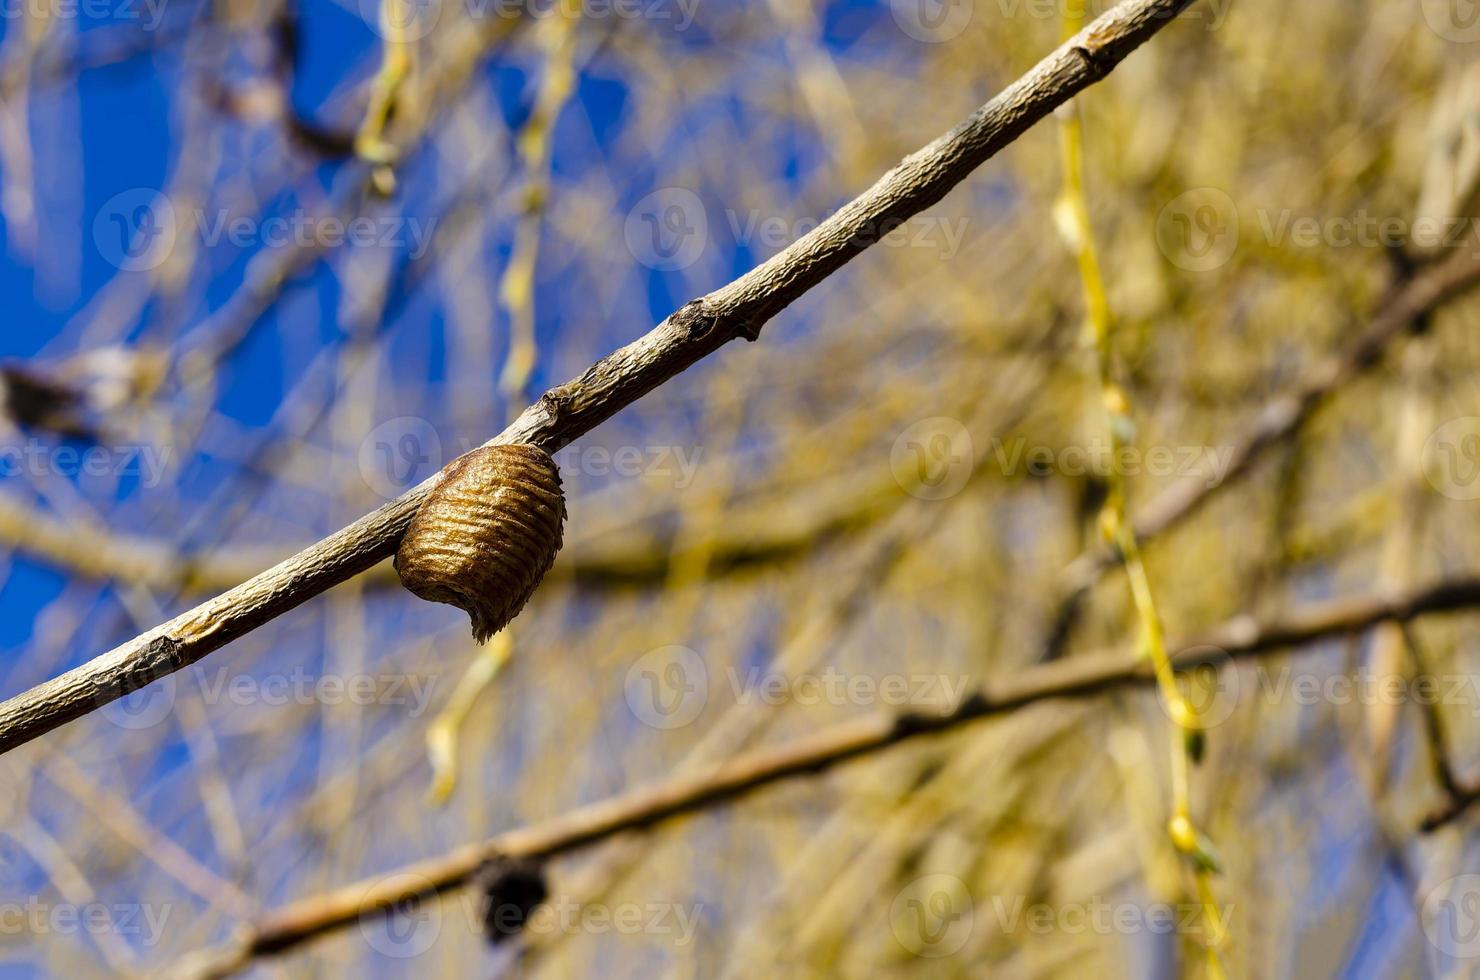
(632, 560)
(700, 327)
(1081, 676)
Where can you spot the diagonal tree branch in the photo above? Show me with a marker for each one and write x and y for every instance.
(1452, 809)
(1405, 310)
(1084, 676)
(694, 331)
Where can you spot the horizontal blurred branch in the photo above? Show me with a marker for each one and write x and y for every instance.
(1080, 676)
(765, 532)
(634, 558)
(696, 330)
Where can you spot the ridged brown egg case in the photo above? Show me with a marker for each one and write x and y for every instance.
(486, 535)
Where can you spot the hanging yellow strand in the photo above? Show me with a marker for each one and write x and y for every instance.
(1072, 217)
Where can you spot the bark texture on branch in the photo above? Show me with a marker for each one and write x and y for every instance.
(700, 327)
